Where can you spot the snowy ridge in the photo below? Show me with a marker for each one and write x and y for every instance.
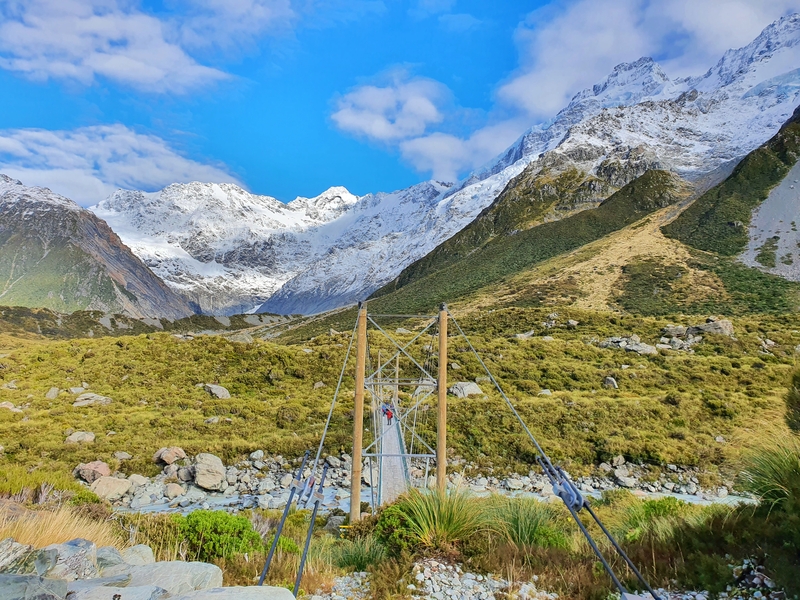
(229, 251)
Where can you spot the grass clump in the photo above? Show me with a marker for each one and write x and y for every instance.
(44, 527)
(527, 522)
(359, 554)
(793, 403)
(772, 473)
(441, 521)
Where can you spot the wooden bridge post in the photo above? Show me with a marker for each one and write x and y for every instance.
(441, 427)
(358, 417)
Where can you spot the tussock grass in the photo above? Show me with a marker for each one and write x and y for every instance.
(440, 521)
(358, 554)
(527, 522)
(42, 528)
(772, 473)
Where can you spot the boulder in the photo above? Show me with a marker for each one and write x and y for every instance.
(91, 471)
(90, 399)
(545, 392)
(242, 337)
(611, 383)
(514, 484)
(141, 554)
(402, 331)
(169, 455)
(525, 336)
(319, 385)
(120, 455)
(217, 391)
(108, 556)
(334, 462)
(719, 327)
(177, 577)
(257, 455)
(52, 393)
(80, 437)
(139, 592)
(138, 480)
(111, 488)
(11, 553)
(464, 389)
(10, 406)
(173, 490)
(77, 390)
(334, 523)
(209, 472)
(253, 592)
(31, 587)
(76, 559)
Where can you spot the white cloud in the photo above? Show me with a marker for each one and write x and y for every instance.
(446, 156)
(400, 109)
(233, 23)
(85, 39)
(570, 46)
(89, 163)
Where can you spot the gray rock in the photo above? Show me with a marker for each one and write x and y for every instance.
(90, 399)
(402, 331)
(139, 592)
(464, 389)
(11, 553)
(186, 473)
(91, 471)
(76, 390)
(257, 455)
(52, 393)
(31, 587)
(111, 488)
(209, 472)
(611, 383)
(719, 327)
(173, 490)
(618, 460)
(217, 391)
(120, 455)
(138, 480)
(514, 484)
(169, 455)
(177, 577)
(108, 556)
(334, 462)
(545, 392)
(253, 592)
(80, 585)
(76, 559)
(525, 336)
(572, 323)
(333, 524)
(141, 554)
(80, 437)
(318, 385)
(242, 337)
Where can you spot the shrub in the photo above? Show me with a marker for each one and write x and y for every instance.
(393, 530)
(216, 534)
(440, 521)
(358, 554)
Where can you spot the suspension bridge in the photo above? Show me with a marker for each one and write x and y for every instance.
(405, 385)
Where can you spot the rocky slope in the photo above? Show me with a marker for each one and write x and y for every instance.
(56, 255)
(230, 251)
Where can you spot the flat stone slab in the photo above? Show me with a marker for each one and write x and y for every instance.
(252, 592)
(177, 577)
(17, 587)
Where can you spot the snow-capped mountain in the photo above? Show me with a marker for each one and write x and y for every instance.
(229, 250)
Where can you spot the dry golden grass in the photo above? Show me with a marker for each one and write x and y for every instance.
(42, 528)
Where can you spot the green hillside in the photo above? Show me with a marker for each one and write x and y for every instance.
(59, 276)
(510, 253)
(719, 219)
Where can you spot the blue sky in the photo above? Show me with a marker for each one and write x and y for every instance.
(290, 97)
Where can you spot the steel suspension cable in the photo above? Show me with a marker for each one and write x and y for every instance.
(565, 489)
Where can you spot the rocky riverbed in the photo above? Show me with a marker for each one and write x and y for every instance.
(261, 481)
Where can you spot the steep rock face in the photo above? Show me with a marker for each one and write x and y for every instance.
(55, 254)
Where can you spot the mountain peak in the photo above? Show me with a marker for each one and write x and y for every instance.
(628, 83)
